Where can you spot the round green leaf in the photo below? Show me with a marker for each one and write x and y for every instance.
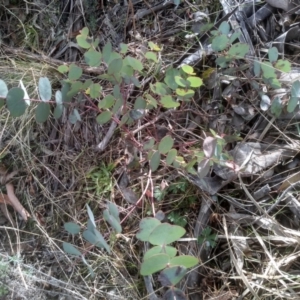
(220, 43)
(63, 69)
(149, 145)
(170, 251)
(165, 234)
(75, 72)
(195, 81)
(147, 225)
(155, 161)
(238, 50)
(3, 89)
(224, 27)
(113, 210)
(93, 58)
(171, 276)
(185, 93)
(107, 102)
(123, 48)
(74, 116)
(159, 88)
(283, 65)
(72, 227)
(165, 145)
(171, 156)
(84, 31)
(154, 264)
(58, 111)
(104, 117)
(188, 69)
(180, 81)
(268, 70)
(273, 54)
(140, 103)
(70, 249)
(42, 112)
(256, 68)
(136, 114)
(151, 56)
(45, 90)
(115, 66)
(15, 103)
(134, 63)
(82, 42)
(187, 261)
(95, 90)
(169, 102)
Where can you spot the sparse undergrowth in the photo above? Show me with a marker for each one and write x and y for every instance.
(126, 188)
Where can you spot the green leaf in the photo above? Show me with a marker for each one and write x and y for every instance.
(3, 89)
(273, 54)
(165, 234)
(70, 249)
(220, 43)
(165, 145)
(96, 239)
(113, 210)
(154, 264)
(169, 102)
(106, 52)
(59, 106)
(256, 68)
(268, 70)
(171, 276)
(123, 48)
(187, 261)
(107, 102)
(194, 81)
(171, 156)
(115, 66)
(276, 107)
(224, 27)
(185, 93)
(104, 117)
(84, 31)
(82, 39)
(63, 69)
(147, 225)
(15, 103)
(45, 90)
(155, 161)
(149, 145)
(234, 36)
(74, 116)
(112, 221)
(93, 58)
(238, 50)
(95, 90)
(140, 103)
(151, 101)
(42, 112)
(134, 63)
(72, 227)
(170, 251)
(64, 92)
(222, 61)
(295, 90)
(151, 56)
(75, 72)
(283, 65)
(91, 215)
(159, 88)
(180, 81)
(293, 102)
(188, 69)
